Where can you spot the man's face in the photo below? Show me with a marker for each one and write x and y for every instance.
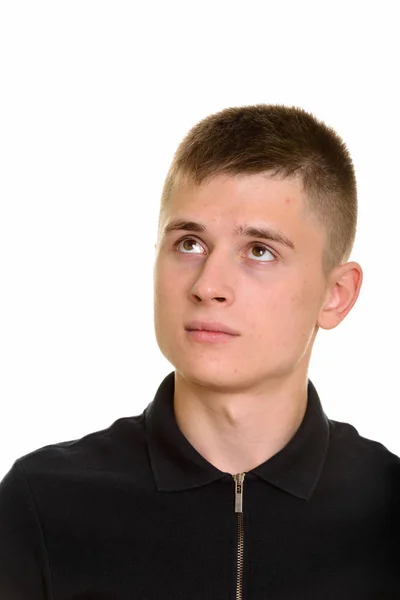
(266, 291)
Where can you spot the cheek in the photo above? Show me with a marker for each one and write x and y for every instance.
(163, 278)
(299, 313)
(167, 288)
(169, 292)
(161, 287)
(279, 309)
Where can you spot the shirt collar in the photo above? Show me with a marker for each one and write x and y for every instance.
(177, 465)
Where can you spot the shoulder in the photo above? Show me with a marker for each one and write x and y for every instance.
(346, 436)
(41, 485)
(361, 458)
(96, 451)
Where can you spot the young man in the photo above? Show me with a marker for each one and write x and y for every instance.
(232, 483)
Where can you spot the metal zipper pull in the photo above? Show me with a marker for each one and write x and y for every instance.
(239, 478)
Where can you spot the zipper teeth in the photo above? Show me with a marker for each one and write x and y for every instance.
(239, 580)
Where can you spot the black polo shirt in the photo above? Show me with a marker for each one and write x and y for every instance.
(135, 512)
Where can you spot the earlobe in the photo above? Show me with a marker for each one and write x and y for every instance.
(343, 292)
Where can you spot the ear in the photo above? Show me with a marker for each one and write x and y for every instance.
(342, 293)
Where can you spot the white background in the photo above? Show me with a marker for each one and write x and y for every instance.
(95, 97)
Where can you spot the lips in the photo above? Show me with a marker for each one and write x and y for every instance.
(210, 326)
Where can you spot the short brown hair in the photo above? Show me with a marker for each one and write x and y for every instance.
(282, 141)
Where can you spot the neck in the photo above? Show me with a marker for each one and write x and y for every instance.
(237, 431)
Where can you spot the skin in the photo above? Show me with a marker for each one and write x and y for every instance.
(240, 402)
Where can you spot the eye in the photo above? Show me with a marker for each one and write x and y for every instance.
(261, 253)
(188, 246)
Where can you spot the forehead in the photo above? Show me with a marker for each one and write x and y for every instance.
(236, 197)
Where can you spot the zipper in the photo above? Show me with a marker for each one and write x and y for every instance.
(238, 479)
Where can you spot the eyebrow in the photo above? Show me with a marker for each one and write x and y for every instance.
(264, 233)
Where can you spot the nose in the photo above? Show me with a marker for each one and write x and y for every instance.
(214, 282)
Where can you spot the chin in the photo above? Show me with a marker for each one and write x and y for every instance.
(214, 377)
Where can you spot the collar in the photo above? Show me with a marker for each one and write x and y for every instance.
(177, 465)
